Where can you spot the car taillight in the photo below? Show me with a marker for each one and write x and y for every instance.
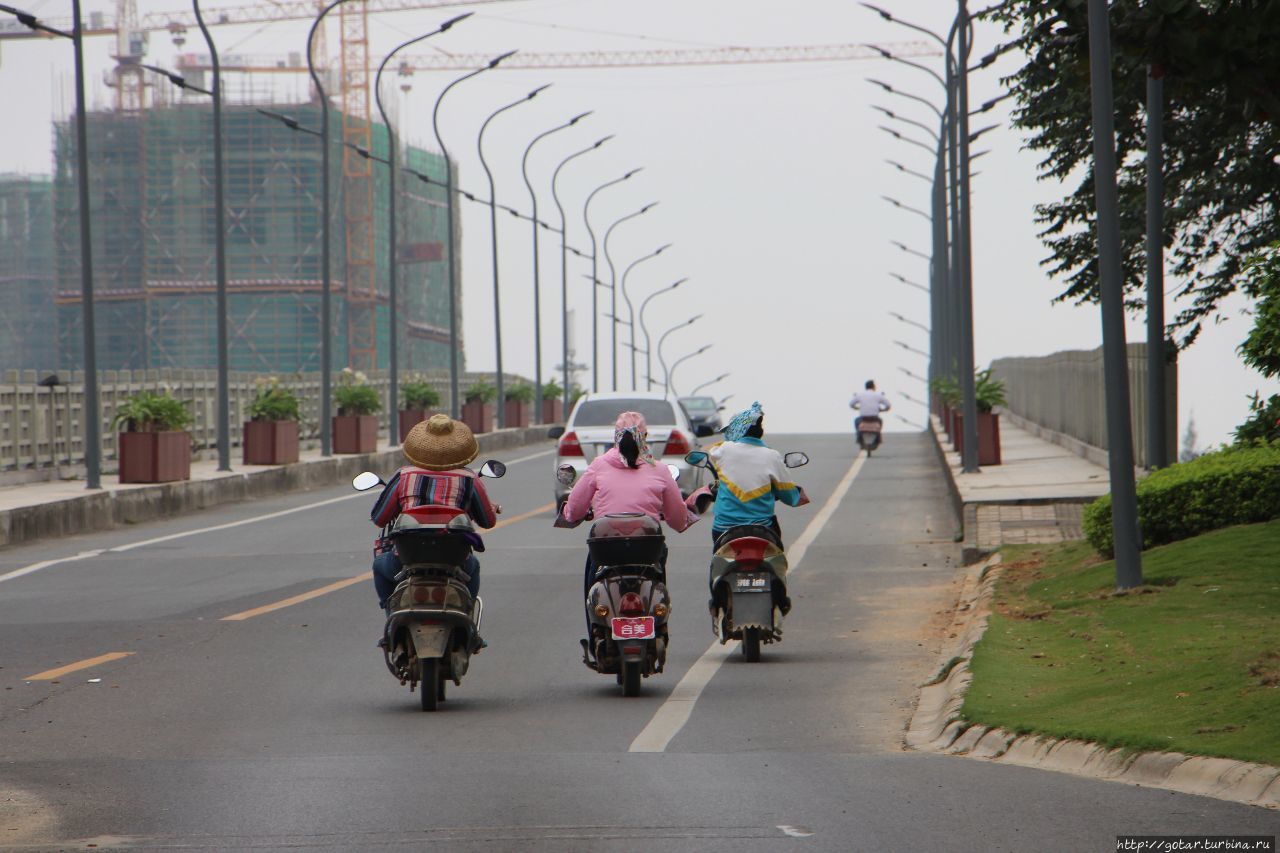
(631, 605)
(569, 445)
(677, 444)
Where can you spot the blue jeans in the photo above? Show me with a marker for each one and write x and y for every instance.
(387, 565)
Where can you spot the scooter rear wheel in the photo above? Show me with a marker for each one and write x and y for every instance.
(429, 685)
(751, 644)
(630, 678)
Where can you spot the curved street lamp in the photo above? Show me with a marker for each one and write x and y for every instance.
(493, 233)
(613, 284)
(648, 346)
(671, 376)
(537, 286)
(666, 372)
(708, 384)
(595, 281)
(631, 314)
(393, 300)
(564, 263)
(451, 234)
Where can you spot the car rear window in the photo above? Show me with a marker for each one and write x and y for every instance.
(699, 404)
(605, 412)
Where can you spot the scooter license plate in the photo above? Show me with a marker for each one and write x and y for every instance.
(751, 582)
(633, 628)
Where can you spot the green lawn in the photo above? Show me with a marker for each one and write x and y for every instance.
(1189, 662)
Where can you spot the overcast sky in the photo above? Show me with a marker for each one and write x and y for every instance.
(769, 179)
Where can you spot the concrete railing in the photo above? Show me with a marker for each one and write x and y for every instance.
(1064, 392)
(41, 429)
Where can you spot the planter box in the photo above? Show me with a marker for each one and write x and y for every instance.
(478, 416)
(552, 411)
(516, 414)
(988, 437)
(154, 457)
(355, 433)
(270, 442)
(410, 417)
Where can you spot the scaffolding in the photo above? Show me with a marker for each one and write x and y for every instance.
(26, 271)
(154, 270)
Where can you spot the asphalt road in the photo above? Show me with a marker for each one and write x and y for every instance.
(282, 729)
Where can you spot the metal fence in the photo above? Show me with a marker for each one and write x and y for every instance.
(41, 424)
(1065, 392)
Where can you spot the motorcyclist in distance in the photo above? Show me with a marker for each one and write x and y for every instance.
(869, 403)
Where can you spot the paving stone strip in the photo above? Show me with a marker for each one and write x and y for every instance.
(936, 727)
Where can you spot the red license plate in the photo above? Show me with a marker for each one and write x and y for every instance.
(633, 628)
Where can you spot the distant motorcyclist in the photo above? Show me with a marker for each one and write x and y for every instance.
(752, 480)
(439, 448)
(869, 403)
(625, 480)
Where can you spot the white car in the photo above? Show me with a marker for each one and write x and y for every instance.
(589, 433)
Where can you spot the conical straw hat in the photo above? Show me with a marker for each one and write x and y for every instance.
(440, 443)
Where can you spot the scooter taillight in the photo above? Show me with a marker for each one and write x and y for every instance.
(428, 595)
(631, 605)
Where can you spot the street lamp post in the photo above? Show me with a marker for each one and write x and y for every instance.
(631, 314)
(452, 233)
(648, 346)
(92, 415)
(537, 287)
(1124, 506)
(493, 230)
(1157, 425)
(393, 318)
(613, 285)
(666, 371)
(564, 263)
(595, 281)
(671, 376)
(708, 384)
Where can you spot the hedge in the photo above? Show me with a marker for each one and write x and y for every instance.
(1235, 485)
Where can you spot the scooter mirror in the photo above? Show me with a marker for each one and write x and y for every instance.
(675, 472)
(493, 468)
(366, 481)
(565, 475)
(795, 459)
(697, 457)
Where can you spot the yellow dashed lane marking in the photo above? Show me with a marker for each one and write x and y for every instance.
(50, 674)
(363, 576)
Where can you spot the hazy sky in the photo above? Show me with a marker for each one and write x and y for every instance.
(769, 179)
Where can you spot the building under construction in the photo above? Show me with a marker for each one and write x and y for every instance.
(153, 222)
(26, 272)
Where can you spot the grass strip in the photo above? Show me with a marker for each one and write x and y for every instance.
(1189, 662)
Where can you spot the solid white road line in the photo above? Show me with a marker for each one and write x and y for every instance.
(669, 719)
(84, 555)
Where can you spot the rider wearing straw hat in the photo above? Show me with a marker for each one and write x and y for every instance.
(439, 449)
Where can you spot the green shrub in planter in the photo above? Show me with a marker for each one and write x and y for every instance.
(1235, 485)
(947, 389)
(551, 390)
(273, 402)
(148, 411)
(520, 392)
(988, 392)
(419, 395)
(353, 395)
(481, 392)
(576, 394)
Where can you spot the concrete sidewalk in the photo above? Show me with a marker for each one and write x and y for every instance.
(36, 511)
(1036, 495)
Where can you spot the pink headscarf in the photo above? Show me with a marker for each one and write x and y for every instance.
(633, 423)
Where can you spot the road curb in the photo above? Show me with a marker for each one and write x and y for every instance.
(115, 505)
(936, 726)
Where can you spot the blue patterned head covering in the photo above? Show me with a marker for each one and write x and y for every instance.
(741, 422)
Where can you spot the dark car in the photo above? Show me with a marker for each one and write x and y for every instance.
(703, 411)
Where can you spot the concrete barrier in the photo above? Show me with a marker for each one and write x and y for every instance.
(115, 505)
